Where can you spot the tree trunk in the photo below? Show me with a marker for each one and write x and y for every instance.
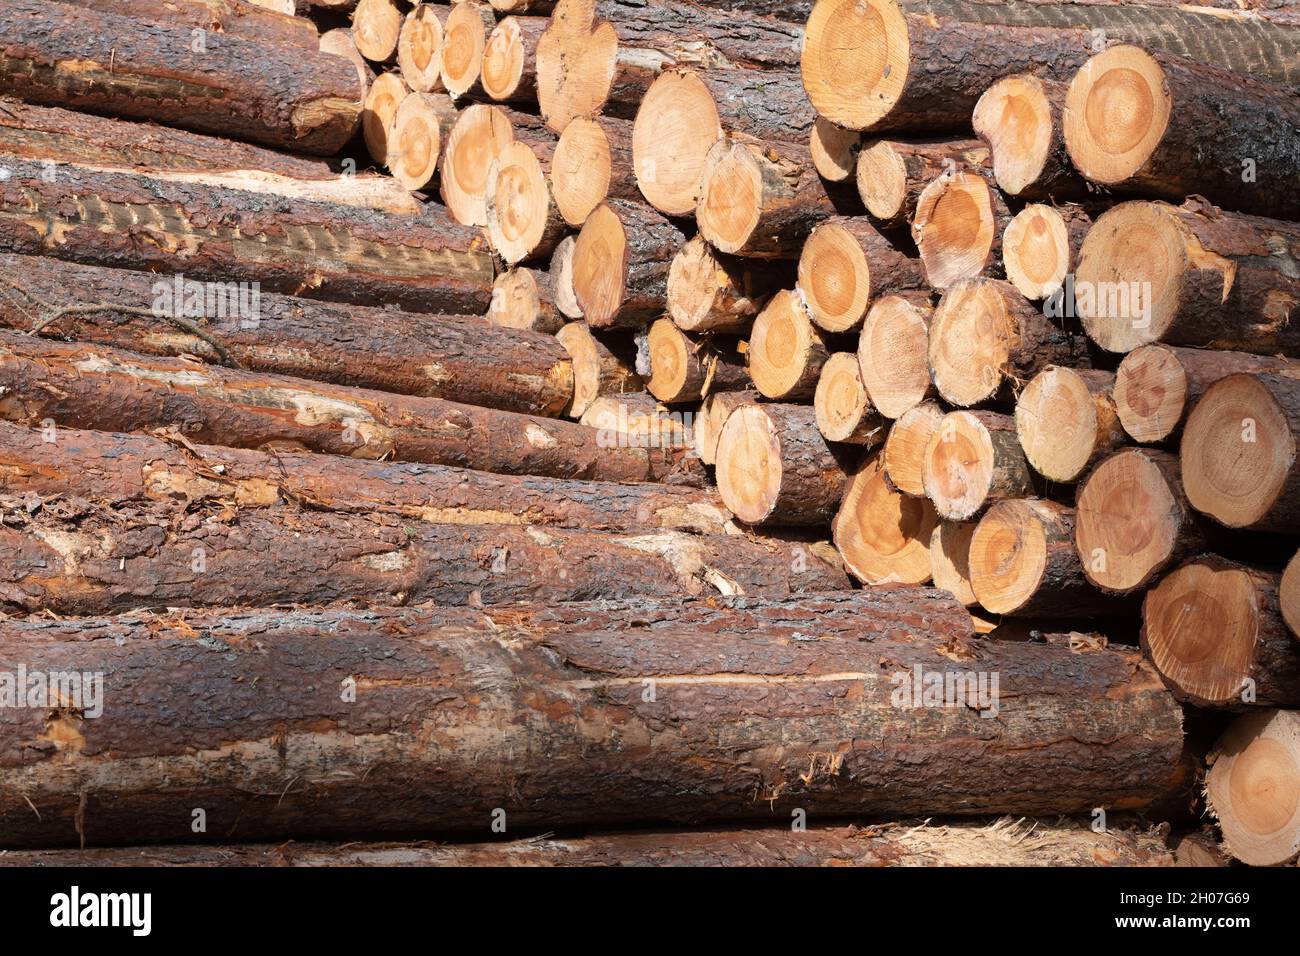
(973, 459)
(892, 353)
(958, 228)
(232, 18)
(1256, 763)
(1066, 421)
(891, 173)
(786, 351)
(846, 264)
(883, 535)
(686, 369)
(844, 411)
(103, 388)
(709, 291)
(592, 163)
(297, 99)
(1021, 120)
(1074, 731)
(620, 264)
(423, 263)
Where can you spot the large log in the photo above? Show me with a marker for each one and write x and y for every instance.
(597, 371)
(460, 358)
(294, 98)
(1251, 787)
(523, 222)
(377, 26)
(1132, 119)
(415, 137)
(322, 721)
(235, 18)
(422, 262)
(843, 409)
(903, 457)
(92, 386)
(686, 369)
(383, 97)
(1203, 278)
(419, 47)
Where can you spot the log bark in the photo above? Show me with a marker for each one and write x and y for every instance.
(1066, 421)
(1213, 279)
(597, 371)
(165, 468)
(843, 409)
(452, 357)
(903, 457)
(1214, 631)
(883, 535)
(104, 388)
(845, 265)
(1134, 521)
(958, 227)
(524, 298)
(1156, 385)
(349, 770)
(592, 163)
(686, 369)
(1250, 164)
(1040, 247)
(774, 467)
(709, 291)
(424, 263)
(1021, 119)
(973, 459)
(786, 351)
(620, 264)
(296, 98)
(892, 353)
(891, 173)
(234, 18)
(1255, 767)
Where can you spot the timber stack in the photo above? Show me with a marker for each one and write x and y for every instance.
(465, 413)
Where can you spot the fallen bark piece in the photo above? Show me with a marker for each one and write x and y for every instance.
(1072, 731)
(1252, 788)
(884, 536)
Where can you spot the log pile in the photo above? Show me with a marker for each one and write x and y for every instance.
(597, 415)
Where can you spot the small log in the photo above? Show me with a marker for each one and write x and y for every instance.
(845, 265)
(597, 371)
(786, 351)
(958, 228)
(592, 162)
(883, 536)
(1214, 631)
(1205, 279)
(713, 415)
(1021, 119)
(950, 559)
(620, 264)
(464, 36)
(774, 467)
(985, 333)
(712, 292)
(1134, 521)
(509, 70)
(1040, 246)
(686, 369)
(1251, 787)
(891, 173)
(1239, 452)
(419, 48)
(415, 137)
(1066, 421)
(834, 150)
(561, 275)
(1133, 117)
(903, 457)
(376, 28)
(1156, 385)
(523, 222)
(972, 460)
(844, 412)
(893, 355)
(379, 111)
(524, 298)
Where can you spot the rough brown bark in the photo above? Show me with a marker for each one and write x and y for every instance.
(59, 55)
(620, 264)
(91, 386)
(263, 688)
(235, 18)
(424, 263)
(460, 358)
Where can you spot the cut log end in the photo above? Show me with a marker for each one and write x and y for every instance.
(969, 342)
(600, 260)
(672, 363)
(785, 351)
(882, 181)
(855, 60)
(1014, 117)
(463, 39)
(480, 133)
(419, 49)
(1060, 424)
(580, 170)
(892, 354)
(597, 371)
(1036, 251)
(576, 65)
(376, 26)
(1150, 393)
(749, 464)
(844, 412)
(903, 457)
(561, 275)
(1009, 555)
(884, 536)
(1289, 595)
(954, 227)
(416, 135)
(518, 202)
(713, 415)
(504, 57)
(518, 303)
(834, 278)
(1253, 787)
(834, 150)
(1116, 113)
(380, 110)
(971, 460)
(950, 559)
(731, 196)
(676, 126)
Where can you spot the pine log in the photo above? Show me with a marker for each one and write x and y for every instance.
(62, 55)
(419, 48)
(883, 535)
(950, 559)
(1214, 631)
(1239, 452)
(709, 291)
(592, 162)
(1040, 246)
(377, 27)
(973, 459)
(985, 333)
(1023, 563)
(522, 219)
(1066, 421)
(891, 174)
(620, 264)
(98, 387)
(844, 411)
(383, 97)
(339, 42)
(713, 415)
(1289, 595)
(464, 37)
(509, 69)
(1132, 118)
(892, 353)
(958, 228)
(1252, 787)
(480, 133)
(233, 18)
(685, 112)
(774, 467)
(1021, 120)
(903, 457)
(53, 135)
(834, 150)
(686, 369)
(786, 351)
(424, 262)
(1190, 275)
(846, 264)
(1156, 385)
(561, 276)
(421, 124)
(452, 357)
(1073, 731)
(597, 371)
(1134, 521)
(524, 298)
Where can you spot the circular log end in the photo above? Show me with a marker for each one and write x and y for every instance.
(903, 458)
(834, 150)
(561, 274)
(780, 345)
(969, 342)
(731, 196)
(376, 25)
(580, 170)
(1015, 118)
(1289, 595)
(834, 278)
(950, 559)
(1116, 113)
(957, 468)
(463, 39)
(1036, 251)
(1253, 787)
(1056, 422)
(749, 469)
(843, 411)
(585, 354)
(884, 536)
(600, 258)
(1127, 522)
(892, 355)
(1237, 451)
(1008, 555)
(575, 63)
(855, 61)
(502, 67)
(676, 126)
(516, 300)
(518, 202)
(419, 49)
(415, 141)
(377, 114)
(1150, 393)
(671, 360)
(882, 180)
(695, 277)
(954, 228)
(480, 133)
